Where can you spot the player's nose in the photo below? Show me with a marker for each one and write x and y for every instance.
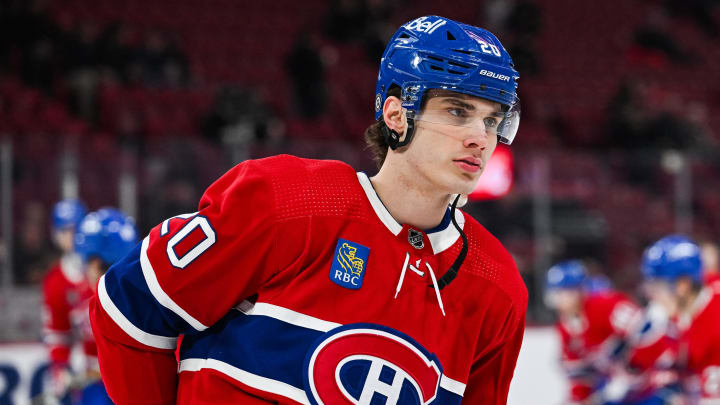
(476, 138)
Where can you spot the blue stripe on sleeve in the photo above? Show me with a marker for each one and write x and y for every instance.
(129, 292)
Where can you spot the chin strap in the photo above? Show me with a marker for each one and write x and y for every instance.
(393, 138)
(452, 272)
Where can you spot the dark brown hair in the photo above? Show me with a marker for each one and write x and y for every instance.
(374, 138)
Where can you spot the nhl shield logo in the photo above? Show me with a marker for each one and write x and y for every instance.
(416, 239)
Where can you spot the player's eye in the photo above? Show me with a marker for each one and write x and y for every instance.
(490, 122)
(457, 112)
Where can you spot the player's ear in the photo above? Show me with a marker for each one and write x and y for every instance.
(394, 115)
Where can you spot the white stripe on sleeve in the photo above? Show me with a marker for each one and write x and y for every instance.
(157, 291)
(160, 342)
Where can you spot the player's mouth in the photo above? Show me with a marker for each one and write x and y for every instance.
(469, 164)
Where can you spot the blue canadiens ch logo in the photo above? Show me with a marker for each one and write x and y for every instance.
(349, 264)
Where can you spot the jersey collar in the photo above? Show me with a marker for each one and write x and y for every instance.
(71, 267)
(441, 237)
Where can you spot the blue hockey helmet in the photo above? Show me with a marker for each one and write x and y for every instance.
(672, 257)
(67, 214)
(107, 234)
(597, 284)
(434, 52)
(567, 274)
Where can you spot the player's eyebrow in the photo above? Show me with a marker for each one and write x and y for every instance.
(458, 102)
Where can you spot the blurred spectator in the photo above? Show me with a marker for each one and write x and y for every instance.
(701, 12)
(162, 63)
(32, 251)
(379, 29)
(347, 20)
(627, 115)
(495, 13)
(525, 19)
(519, 23)
(653, 36)
(28, 32)
(116, 49)
(238, 119)
(306, 69)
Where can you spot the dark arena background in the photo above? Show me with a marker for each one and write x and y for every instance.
(141, 104)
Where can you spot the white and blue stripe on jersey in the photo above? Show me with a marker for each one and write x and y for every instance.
(262, 346)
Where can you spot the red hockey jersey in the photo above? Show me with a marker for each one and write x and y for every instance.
(590, 340)
(700, 344)
(294, 284)
(66, 322)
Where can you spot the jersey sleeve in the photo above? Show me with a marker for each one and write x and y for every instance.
(184, 276)
(493, 366)
(57, 330)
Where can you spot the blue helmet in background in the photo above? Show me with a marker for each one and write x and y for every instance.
(67, 214)
(567, 274)
(598, 283)
(107, 234)
(673, 257)
(434, 52)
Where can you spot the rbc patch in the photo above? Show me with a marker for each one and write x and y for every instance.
(349, 264)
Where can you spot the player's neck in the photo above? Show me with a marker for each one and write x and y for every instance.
(408, 200)
(688, 303)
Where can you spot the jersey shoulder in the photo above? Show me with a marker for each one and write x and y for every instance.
(707, 316)
(607, 300)
(488, 259)
(310, 187)
(54, 278)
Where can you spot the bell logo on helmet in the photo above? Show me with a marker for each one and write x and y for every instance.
(423, 25)
(378, 102)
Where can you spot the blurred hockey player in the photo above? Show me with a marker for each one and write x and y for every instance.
(594, 328)
(65, 293)
(673, 265)
(597, 283)
(710, 256)
(304, 281)
(102, 237)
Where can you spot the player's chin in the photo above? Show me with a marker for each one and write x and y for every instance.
(464, 184)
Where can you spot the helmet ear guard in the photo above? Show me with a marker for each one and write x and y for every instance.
(392, 137)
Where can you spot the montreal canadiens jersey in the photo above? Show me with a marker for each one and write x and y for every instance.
(700, 345)
(66, 318)
(294, 284)
(590, 341)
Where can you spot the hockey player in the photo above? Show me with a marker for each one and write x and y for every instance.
(65, 293)
(102, 237)
(674, 265)
(302, 281)
(596, 329)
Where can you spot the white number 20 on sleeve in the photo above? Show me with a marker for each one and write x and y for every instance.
(200, 247)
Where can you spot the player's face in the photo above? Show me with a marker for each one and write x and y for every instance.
(455, 136)
(95, 270)
(662, 293)
(566, 301)
(64, 239)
